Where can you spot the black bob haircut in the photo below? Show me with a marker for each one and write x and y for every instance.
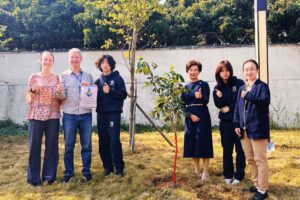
(110, 59)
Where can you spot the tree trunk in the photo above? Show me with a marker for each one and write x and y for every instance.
(132, 87)
(132, 142)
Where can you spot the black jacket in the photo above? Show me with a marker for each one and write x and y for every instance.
(112, 101)
(252, 111)
(229, 95)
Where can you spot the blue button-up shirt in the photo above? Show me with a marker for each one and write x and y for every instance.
(71, 91)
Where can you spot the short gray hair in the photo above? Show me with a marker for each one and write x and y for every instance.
(75, 50)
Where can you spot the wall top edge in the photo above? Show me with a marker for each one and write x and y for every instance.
(158, 49)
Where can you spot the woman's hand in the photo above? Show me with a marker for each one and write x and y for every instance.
(59, 88)
(247, 89)
(225, 109)
(238, 131)
(218, 93)
(243, 93)
(35, 87)
(194, 118)
(198, 94)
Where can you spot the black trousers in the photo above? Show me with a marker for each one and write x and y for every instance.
(229, 140)
(37, 129)
(110, 147)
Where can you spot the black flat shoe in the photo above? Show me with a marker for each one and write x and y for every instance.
(36, 184)
(107, 172)
(260, 196)
(87, 177)
(121, 174)
(66, 179)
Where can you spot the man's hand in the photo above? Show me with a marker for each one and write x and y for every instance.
(84, 83)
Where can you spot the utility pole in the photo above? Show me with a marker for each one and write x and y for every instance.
(261, 38)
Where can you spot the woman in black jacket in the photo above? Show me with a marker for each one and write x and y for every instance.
(225, 93)
(251, 121)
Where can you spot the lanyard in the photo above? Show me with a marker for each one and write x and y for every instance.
(79, 78)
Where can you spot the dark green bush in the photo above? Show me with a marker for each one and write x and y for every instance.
(8, 127)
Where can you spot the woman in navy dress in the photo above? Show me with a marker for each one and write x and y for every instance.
(225, 94)
(197, 132)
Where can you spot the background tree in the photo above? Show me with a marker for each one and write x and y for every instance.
(284, 21)
(168, 105)
(3, 13)
(47, 24)
(126, 19)
(62, 24)
(3, 40)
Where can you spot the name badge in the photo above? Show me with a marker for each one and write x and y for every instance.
(112, 83)
(234, 89)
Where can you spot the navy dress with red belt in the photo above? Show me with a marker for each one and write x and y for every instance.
(197, 135)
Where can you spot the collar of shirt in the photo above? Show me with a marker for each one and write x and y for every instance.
(69, 71)
(251, 85)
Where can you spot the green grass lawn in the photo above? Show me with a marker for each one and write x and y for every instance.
(148, 172)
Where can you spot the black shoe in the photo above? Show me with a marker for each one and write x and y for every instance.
(36, 184)
(66, 179)
(252, 189)
(260, 196)
(107, 172)
(49, 182)
(87, 177)
(120, 173)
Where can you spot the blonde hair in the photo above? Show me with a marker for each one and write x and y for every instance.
(47, 53)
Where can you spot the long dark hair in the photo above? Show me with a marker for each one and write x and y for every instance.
(223, 65)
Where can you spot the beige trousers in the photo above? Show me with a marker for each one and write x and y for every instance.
(256, 154)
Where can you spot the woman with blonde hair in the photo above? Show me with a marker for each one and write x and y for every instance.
(43, 115)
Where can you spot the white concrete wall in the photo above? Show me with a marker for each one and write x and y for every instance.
(284, 63)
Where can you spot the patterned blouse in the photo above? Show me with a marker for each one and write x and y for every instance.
(43, 104)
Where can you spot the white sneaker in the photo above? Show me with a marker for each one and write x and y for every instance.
(228, 181)
(198, 174)
(205, 176)
(235, 182)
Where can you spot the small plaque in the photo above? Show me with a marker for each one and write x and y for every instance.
(88, 96)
